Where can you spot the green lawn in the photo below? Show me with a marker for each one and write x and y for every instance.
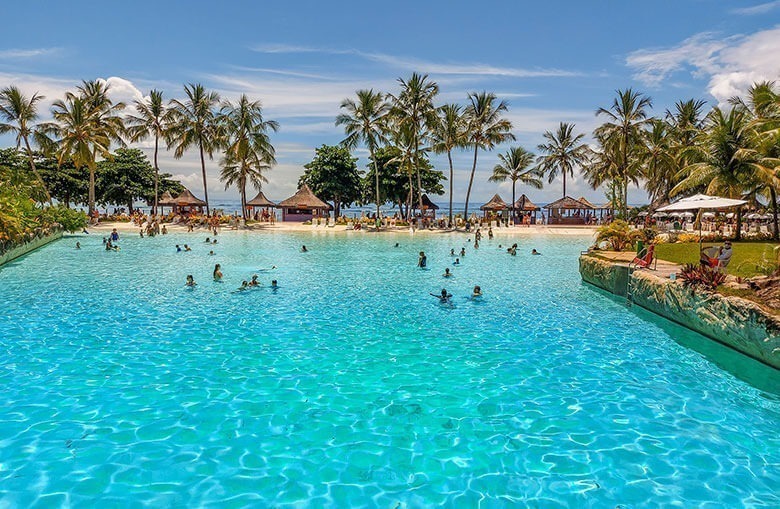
(748, 258)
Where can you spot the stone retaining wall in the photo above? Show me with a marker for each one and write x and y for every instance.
(733, 321)
(29, 246)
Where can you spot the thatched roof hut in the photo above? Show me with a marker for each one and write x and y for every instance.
(260, 201)
(525, 204)
(428, 204)
(166, 199)
(586, 202)
(187, 199)
(304, 198)
(568, 203)
(495, 204)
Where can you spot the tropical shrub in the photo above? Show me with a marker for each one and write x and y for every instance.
(71, 220)
(618, 235)
(701, 276)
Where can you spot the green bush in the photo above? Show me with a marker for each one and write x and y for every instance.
(619, 235)
(70, 220)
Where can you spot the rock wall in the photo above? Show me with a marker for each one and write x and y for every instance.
(606, 275)
(733, 321)
(29, 246)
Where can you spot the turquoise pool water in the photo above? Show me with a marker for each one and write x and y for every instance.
(351, 386)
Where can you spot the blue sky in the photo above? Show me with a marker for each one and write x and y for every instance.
(552, 61)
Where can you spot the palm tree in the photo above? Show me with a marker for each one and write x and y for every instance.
(486, 128)
(562, 152)
(152, 120)
(19, 113)
(727, 160)
(249, 151)
(414, 108)
(194, 123)
(86, 125)
(447, 134)
(762, 106)
(364, 122)
(516, 166)
(659, 162)
(623, 134)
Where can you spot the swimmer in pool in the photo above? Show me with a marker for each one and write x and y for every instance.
(190, 281)
(535, 252)
(422, 261)
(254, 281)
(78, 245)
(217, 273)
(477, 292)
(456, 262)
(444, 297)
(304, 250)
(447, 273)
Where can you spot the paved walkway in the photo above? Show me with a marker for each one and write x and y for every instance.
(662, 269)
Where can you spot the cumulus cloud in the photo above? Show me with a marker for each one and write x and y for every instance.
(731, 64)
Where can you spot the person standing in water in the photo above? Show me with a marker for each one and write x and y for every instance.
(444, 297)
(217, 273)
(477, 292)
(447, 273)
(304, 250)
(190, 281)
(422, 261)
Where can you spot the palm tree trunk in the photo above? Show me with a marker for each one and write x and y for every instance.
(449, 158)
(156, 173)
(775, 230)
(514, 213)
(410, 197)
(35, 171)
(243, 199)
(376, 175)
(91, 193)
(417, 165)
(564, 183)
(205, 186)
(471, 181)
(738, 234)
(625, 199)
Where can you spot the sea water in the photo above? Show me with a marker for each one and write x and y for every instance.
(350, 385)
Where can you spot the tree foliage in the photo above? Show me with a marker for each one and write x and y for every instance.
(333, 176)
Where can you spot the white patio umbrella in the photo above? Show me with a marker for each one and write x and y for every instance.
(688, 214)
(708, 214)
(702, 202)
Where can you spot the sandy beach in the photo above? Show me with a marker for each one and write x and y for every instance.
(517, 231)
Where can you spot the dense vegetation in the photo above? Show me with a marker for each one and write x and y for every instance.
(730, 150)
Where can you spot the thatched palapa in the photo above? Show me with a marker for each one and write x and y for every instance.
(303, 206)
(187, 199)
(166, 199)
(495, 204)
(523, 203)
(568, 203)
(260, 201)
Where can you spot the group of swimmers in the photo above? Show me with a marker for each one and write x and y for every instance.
(245, 285)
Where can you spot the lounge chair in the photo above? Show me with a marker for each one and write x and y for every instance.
(645, 258)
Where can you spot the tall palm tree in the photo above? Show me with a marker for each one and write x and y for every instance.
(623, 133)
(562, 153)
(249, 151)
(516, 166)
(447, 134)
(413, 107)
(194, 124)
(18, 114)
(762, 106)
(86, 124)
(727, 160)
(364, 121)
(486, 128)
(152, 119)
(659, 162)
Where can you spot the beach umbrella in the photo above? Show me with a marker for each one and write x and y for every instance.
(708, 214)
(688, 214)
(643, 214)
(754, 215)
(660, 214)
(703, 202)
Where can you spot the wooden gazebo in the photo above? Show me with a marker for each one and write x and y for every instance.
(428, 207)
(303, 206)
(187, 202)
(567, 210)
(526, 208)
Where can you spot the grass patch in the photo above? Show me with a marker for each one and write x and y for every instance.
(748, 258)
(747, 294)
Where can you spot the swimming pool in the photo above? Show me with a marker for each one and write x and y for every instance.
(351, 386)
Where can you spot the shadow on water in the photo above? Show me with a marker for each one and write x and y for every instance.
(761, 376)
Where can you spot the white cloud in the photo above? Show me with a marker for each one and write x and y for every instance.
(731, 64)
(757, 9)
(414, 64)
(27, 53)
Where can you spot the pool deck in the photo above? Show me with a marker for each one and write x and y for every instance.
(660, 268)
